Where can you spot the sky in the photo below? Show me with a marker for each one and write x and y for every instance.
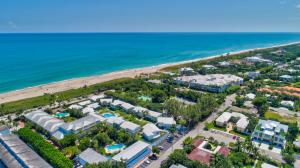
(149, 16)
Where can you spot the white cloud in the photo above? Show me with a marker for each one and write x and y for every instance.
(12, 24)
(298, 6)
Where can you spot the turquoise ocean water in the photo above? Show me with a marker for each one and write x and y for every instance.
(33, 59)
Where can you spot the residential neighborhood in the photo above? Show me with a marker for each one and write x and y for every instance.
(234, 111)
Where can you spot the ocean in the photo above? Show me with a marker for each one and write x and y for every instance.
(34, 59)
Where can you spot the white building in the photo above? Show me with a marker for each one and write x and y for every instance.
(209, 67)
(97, 97)
(75, 107)
(255, 59)
(165, 122)
(241, 124)
(84, 103)
(94, 105)
(253, 74)
(153, 115)
(224, 63)
(286, 78)
(151, 131)
(250, 96)
(115, 121)
(90, 156)
(87, 110)
(186, 71)
(130, 127)
(106, 102)
(270, 131)
(288, 104)
(134, 154)
(212, 82)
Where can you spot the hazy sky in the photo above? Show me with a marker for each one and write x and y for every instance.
(149, 15)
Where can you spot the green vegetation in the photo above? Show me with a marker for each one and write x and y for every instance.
(278, 117)
(108, 164)
(44, 149)
(21, 105)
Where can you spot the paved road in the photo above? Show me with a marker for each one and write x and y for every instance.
(196, 131)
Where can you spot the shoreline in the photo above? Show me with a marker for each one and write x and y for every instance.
(76, 83)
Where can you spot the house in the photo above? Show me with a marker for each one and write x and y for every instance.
(256, 59)
(14, 153)
(95, 98)
(115, 121)
(287, 104)
(186, 71)
(44, 120)
(253, 75)
(250, 96)
(153, 115)
(90, 156)
(139, 111)
(224, 63)
(210, 67)
(106, 102)
(75, 107)
(266, 165)
(270, 131)
(155, 81)
(286, 78)
(165, 122)
(279, 52)
(241, 124)
(211, 82)
(84, 103)
(130, 127)
(151, 131)
(204, 155)
(134, 154)
(81, 124)
(223, 119)
(177, 166)
(126, 106)
(87, 110)
(94, 105)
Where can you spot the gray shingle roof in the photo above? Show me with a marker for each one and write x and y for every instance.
(90, 156)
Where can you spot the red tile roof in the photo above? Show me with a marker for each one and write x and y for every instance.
(197, 142)
(224, 151)
(200, 155)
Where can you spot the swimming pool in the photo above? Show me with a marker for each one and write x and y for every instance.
(115, 148)
(145, 98)
(108, 115)
(61, 114)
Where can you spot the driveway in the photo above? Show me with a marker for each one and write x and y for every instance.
(196, 131)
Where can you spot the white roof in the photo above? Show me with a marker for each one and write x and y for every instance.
(186, 69)
(266, 165)
(209, 66)
(129, 126)
(242, 122)
(139, 109)
(250, 96)
(75, 106)
(84, 103)
(117, 102)
(88, 110)
(150, 129)
(154, 114)
(94, 105)
(225, 117)
(211, 79)
(126, 105)
(43, 119)
(96, 115)
(287, 103)
(92, 157)
(97, 97)
(131, 151)
(166, 120)
(108, 100)
(115, 120)
(81, 123)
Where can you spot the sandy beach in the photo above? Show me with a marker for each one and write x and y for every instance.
(81, 82)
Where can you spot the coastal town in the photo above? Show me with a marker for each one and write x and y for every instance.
(237, 110)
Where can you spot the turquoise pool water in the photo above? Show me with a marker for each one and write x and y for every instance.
(62, 115)
(115, 148)
(108, 115)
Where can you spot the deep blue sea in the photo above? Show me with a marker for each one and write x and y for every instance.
(33, 59)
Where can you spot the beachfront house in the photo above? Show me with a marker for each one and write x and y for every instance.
(130, 127)
(81, 124)
(165, 122)
(95, 98)
(186, 71)
(270, 131)
(286, 78)
(134, 154)
(90, 156)
(257, 59)
(115, 121)
(151, 132)
(211, 82)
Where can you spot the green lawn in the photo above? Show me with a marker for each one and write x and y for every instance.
(277, 117)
